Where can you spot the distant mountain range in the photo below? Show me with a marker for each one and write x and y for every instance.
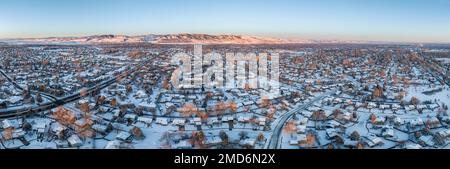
(171, 39)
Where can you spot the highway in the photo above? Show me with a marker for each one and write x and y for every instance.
(435, 69)
(274, 141)
(9, 113)
(46, 95)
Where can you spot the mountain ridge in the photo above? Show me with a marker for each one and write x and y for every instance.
(182, 38)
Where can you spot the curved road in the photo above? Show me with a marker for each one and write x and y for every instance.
(48, 96)
(8, 113)
(274, 141)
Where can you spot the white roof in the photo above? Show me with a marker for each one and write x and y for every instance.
(297, 139)
(413, 146)
(416, 122)
(262, 119)
(74, 140)
(421, 106)
(123, 135)
(130, 116)
(82, 101)
(183, 144)
(213, 140)
(179, 121)
(303, 120)
(388, 133)
(331, 132)
(445, 133)
(373, 140)
(148, 105)
(249, 141)
(100, 128)
(395, 106)
(7, 124)
(227, 118)
(58, 128)
(145, 119)
(427, 139)
(301, 128)
(384, 106)
(112, 144)
(163, 121)
(243, 118)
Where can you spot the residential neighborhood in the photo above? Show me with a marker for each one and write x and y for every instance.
(125, 96)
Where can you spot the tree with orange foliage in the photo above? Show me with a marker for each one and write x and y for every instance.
(271, 112)
(8, 133)
(113, 102)
(265, 102)
(337, 112)
(100, 100)
(395, 79)
(198, 138)
(232, 106)
(414, 100)
(136, 54)
(64, 116)
(360, 145)
(84, 107)
(373, 118)
(220, 108)
(382, 73)
(406, 82)
(188, 110)
(129, 88)
(209, 95)
(261, 137)
(166, 84)
(83, 92)
(318, 116)
(85, 129)
(137, 133)
(290, 127)
(377, 92)
(400, 96)
(203, 115)
(247, 87)
(310, 139)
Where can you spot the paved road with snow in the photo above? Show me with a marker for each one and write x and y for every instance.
(45, 95)
(26, 110)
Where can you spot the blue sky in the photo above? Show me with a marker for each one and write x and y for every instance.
(385, 20)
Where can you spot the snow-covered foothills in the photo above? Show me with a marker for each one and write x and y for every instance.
(168, 39)
(110, 96)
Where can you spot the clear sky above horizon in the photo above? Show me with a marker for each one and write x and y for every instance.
(378, 20)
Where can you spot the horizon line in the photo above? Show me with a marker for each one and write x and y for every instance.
(2, 39)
